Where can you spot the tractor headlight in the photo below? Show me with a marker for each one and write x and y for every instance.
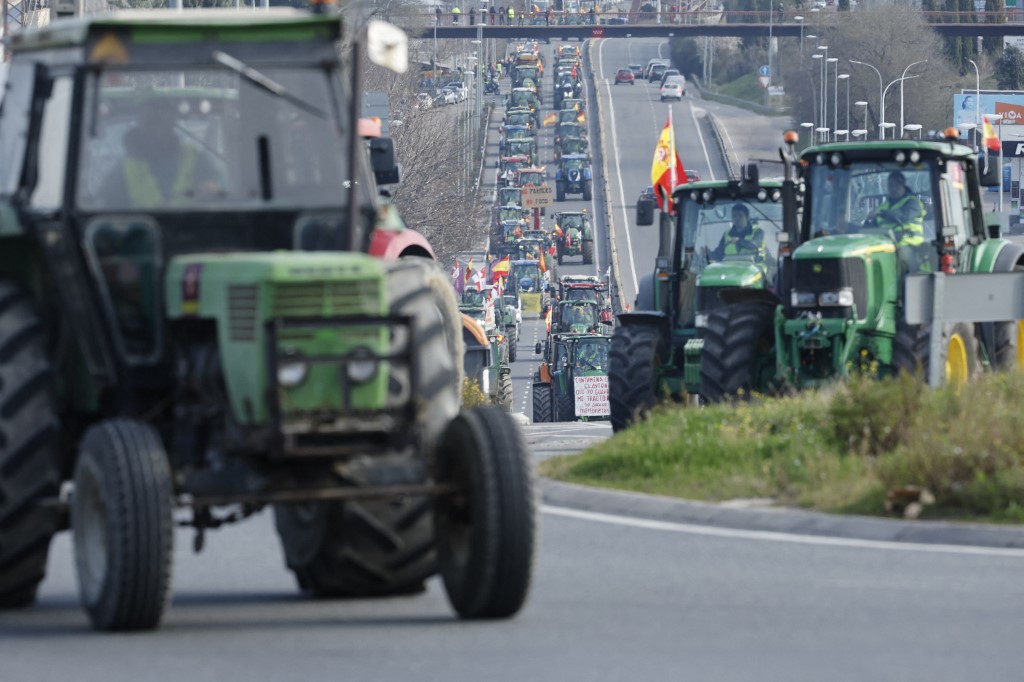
(802, 299)
(361, 365)
(292, 369)
(836, 299)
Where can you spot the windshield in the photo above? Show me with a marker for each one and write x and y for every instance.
(574, 222)
(578, 316)
(752, 226)
(212, 139)
(843, 198)
(592, 354)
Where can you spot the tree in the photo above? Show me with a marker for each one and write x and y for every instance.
(1010, 69)
(995, 13)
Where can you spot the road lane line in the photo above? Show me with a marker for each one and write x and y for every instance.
(772, 536)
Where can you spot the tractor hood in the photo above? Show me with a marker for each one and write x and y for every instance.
(858, 245)
(737, 273)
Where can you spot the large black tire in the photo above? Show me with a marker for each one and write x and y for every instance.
(564, 408)
(736, 341)
(633, 363)
(588, 252)
(486, 533)
(505, 393)
(1009, 350)
(912, 351)
(513, 342)
(588, 190)
(29, 467)
(542, 403)
(121, 517)
(380, 547)
(559, 191)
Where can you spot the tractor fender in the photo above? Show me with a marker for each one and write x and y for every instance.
(1010, 255)
(750, 295)
(392, 244)
(653, 319)
(645, 293)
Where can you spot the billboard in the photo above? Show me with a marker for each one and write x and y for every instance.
(1010, 105)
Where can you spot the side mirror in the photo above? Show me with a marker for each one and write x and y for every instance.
(645, 211)
(994, 175)
(382, 161)
(537, 349)
(996, 224)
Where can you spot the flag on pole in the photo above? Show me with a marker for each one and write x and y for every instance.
(581, 117)
(478, 279)
(468, 274)
(501, 268)
(550, 120)
(542, 264)
(989, 137)
(666, 166)
(547, 318)
(458, 280)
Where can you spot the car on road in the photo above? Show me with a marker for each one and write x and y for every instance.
(674, 88)
(423, 100)
(625, 76)
(445, 96)
(669, 73)
(655, 72)
(638, 71)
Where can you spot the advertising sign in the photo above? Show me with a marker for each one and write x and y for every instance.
(1011, 106)
(591, 396)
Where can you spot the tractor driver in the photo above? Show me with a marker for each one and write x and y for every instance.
(158, 169)
(903, 213)
(590, 356)
(742, 237)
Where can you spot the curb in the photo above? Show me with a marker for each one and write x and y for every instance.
(778, 520)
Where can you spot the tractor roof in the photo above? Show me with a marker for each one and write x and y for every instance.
(769, 183)
(118, 37)
(887, 150)
(574, 157)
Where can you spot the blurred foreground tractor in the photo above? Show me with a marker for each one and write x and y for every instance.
(202, 307)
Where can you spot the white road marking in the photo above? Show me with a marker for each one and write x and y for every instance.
(771, 536)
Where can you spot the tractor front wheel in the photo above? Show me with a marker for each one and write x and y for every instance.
(739, 343)
(633, 363)
(912, 351)
(588, 252)
(542, 403)
(588, 190)
(486, 530)
(559, 191)
(505, 392)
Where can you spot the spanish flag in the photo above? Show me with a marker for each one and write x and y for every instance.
(550, 120)
(547, 318)
(501, 268)
(581, 117)
(542, 264)
(989, 137)
(665, 160)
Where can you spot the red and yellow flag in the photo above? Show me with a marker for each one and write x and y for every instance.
(581, 117)
(501, 268)
(989, 137)
(550, 120)
(665, 159)
(542, 264)
(547, 318)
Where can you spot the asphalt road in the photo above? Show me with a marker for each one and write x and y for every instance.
(616, 596)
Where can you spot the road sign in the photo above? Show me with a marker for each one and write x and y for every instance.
(764, 80)
(537, 196)
(764, 71)
(597, 32)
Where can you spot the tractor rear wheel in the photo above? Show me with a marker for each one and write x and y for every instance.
(559, 191)
(564, 411)
(123, 525)
(542, 403)
(588, 252)
(633, 363)
(379, 547)
(505, 393)
(29, 466)
(912, 351)
(486, 530)
(588, 190)
(737, 340)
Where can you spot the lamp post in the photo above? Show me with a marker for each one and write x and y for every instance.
(823, 90)
(882, 125)
(862, 103)
(977, 102)
(846, 77)
(901, 87)
(822, 133)
(835, 92)
(881, 129)
(809, 126)
(913, 127)
(801, 20)
(817, 109)
(880, 96)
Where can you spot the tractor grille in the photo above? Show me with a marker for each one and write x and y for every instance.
(325, 299)
(831, 274)
(243, 300)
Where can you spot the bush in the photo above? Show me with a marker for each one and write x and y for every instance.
(871, 417)
(472, 395)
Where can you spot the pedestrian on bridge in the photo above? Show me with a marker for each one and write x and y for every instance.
(437, 15)
(455, 15)
(502, 13)
(472, 16)
(492, 15)
(511, 15)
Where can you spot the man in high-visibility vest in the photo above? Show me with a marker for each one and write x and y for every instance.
(903, 213)
(158, 169)
(742, 238)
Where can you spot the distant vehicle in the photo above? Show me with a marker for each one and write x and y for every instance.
(668, 74)
(638, 71)
(656, 72)
(672, 89)
(648, 194)
(624, 76)
(692, 176)
(445, 96)
(423, 100)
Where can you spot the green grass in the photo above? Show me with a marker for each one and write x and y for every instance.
(745, 87)
(839, 450)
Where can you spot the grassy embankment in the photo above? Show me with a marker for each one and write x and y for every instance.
(838, 450)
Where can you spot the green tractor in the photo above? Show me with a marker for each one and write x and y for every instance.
(486, 363)
(873, 214)
(572, 382)
(657, 350)
(202, 307)
(577, 236)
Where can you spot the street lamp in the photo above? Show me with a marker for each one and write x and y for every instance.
(901, 88)
(822, 133)
(862, 103)
(824, 75)
(880, 107)
(977, 102)
(860, 132)
(809, 126)
(913, 127)
(817, 113)
(846, 77)
(801, 20)
(835, 92)
(882, 126)
(898, 80)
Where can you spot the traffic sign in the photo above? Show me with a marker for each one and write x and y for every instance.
(764, 80)
(537, 196)
(597, 32)
(764, 71)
